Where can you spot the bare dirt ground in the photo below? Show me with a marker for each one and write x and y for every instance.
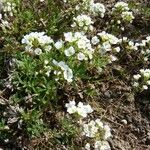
(128, 114)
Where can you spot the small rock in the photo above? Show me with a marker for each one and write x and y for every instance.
(124, 121)
(148, 134)
(107, 94)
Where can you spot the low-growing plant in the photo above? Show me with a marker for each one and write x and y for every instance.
(58, 52)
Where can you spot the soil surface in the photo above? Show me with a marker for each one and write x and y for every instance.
(128, 114)
(129, 117)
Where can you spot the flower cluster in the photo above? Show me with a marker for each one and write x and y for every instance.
(99, 145)
(73, 47)
(7, 10)
(121, 6)
(107, 43)
(127, 16)
(97, 9)
(59, 44)
(94, 8)
(80, 109)
(81, 46)
(37, 42)
(129, 44)
(94, 129)
(109, 38)
(90, 7)
(83, 22)
(142, 80)
(144, 48)
(123, 9)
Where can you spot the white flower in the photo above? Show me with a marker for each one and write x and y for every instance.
(29, 49)
(135, 84)
(90, 129)
(102, 145)
(38, 51)
(106, 37)
(143, 43)
(58, 44)
(142, 71)
(99, 123)
(107, 132)
(83, 110)
(46, 62)
(131, 45)
(137, 44)
(55, 62)
(97, 9)
(34, 39)
(5, 23)
(95, 40)
(121, 6)
(147, 51)
(127, 16)
(148, 82)
(68, 74)
(71, 108)
(117, 49)
(112, 39)
(148, 39)
(83, 21)
(118, 21)
(81, 56)
(0, 16)
(93, 128)
(86, 108)
(145, 73)
(137, 77)
(112, 58)
(124, 38)
(70, 104)
(87, 146)
(68, 36)
(47, 48)
(145, 87)
(70, 51)
(63, 65)
(106, 46)
(48, 73)
(81, 44)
